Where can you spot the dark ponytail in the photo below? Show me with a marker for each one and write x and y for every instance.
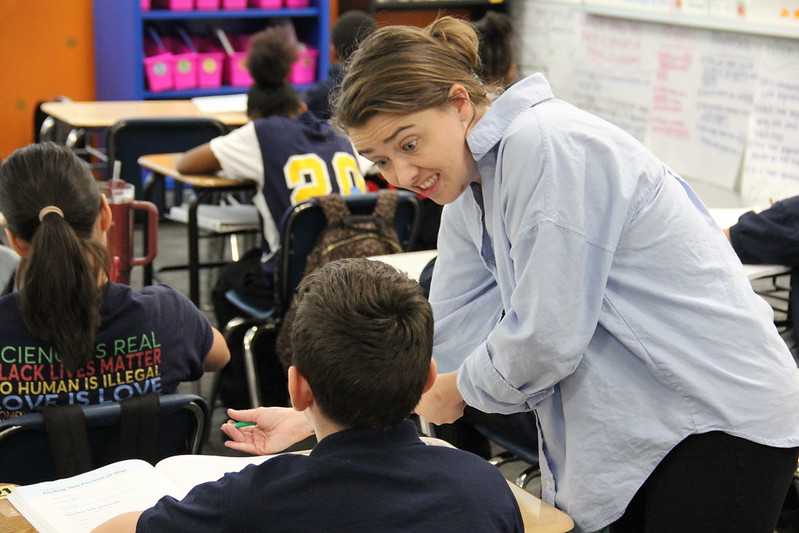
(269, 60)
(59, 280)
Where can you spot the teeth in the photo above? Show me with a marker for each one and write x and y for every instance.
(429, 183)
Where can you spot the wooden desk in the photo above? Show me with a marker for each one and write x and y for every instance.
(166, 165)
(106, 114)
(411, 263)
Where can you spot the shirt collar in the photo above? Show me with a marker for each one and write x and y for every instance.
(519, 97)
(403, 434)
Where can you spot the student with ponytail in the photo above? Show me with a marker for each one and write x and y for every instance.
(291, 154)
(68, 335)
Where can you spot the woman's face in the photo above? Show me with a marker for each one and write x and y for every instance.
(424, 152)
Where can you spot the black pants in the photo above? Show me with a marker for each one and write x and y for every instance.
(245, 275)
(712, 482)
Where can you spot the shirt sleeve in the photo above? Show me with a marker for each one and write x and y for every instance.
(771, 236)
(190, 331)
(464, 295)
(239, 154)
(553, 274)
(201, 510)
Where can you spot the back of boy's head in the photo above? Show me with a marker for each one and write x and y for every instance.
(270, 57)
(363, 338)
(351, 28)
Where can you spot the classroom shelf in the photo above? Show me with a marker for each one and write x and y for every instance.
(120, 26)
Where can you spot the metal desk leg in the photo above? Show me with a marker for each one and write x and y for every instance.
(194, 249)
(147, 194)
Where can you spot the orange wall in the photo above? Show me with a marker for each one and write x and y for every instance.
(46, 50)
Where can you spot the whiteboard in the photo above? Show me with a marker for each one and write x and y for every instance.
(716, 106)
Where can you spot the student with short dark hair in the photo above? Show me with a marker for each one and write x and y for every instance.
(350, 29)
(362, 344)
(497, 64)
(68, 335)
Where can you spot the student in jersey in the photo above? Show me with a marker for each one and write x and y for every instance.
(68, 335)
(290, 153)
(362, 345)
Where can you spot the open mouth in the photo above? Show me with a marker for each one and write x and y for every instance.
(429, 183)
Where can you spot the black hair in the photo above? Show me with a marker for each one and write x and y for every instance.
(60, 291)
(363, 338)
(272, 53)
(351, 28)
(496, 47)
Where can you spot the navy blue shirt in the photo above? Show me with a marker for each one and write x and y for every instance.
(772, 237)
(354, 480)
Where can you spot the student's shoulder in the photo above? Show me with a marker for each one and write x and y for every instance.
(160, 295)
(9, 308)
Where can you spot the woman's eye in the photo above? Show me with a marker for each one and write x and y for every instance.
(409, 145)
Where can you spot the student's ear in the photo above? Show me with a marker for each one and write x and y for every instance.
(18, 245)
(299, 390)
(302, 108)
(459, 98)
(431, 376)
(105, 214)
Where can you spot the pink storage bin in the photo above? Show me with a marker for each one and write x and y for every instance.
(184, 62)
(157, 66)
(297, 3)
(206, 5)
(234, 4)
(235, 72)
(304, 69)
(210, 61)
(266, 4)
(174, 5)
(145, 5)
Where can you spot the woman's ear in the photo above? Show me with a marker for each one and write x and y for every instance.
(459, 98)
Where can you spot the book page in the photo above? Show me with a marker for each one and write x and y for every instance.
(79, 504)
(186, 471)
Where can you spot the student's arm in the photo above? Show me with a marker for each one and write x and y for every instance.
(119, 524)
(276, 429)
(199, 160)
(219, 354)
(770, 236)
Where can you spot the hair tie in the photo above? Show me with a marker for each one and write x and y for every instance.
(50, 209)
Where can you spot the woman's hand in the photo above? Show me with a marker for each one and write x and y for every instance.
(275, 429)
(442, 403)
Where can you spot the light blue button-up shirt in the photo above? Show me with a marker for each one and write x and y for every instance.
(628, 322)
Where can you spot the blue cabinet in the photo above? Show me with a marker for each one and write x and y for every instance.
(120, 27)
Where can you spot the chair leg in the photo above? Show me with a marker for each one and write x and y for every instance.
(527, 476)
(503, 458)
(250, 370)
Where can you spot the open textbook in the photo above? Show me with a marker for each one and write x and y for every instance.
(79, 504)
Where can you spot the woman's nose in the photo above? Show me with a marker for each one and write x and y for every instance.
(405, 174)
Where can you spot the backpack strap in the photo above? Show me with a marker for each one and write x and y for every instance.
(69, 439)
(386, 205)
(334, 207)
(138, 428)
